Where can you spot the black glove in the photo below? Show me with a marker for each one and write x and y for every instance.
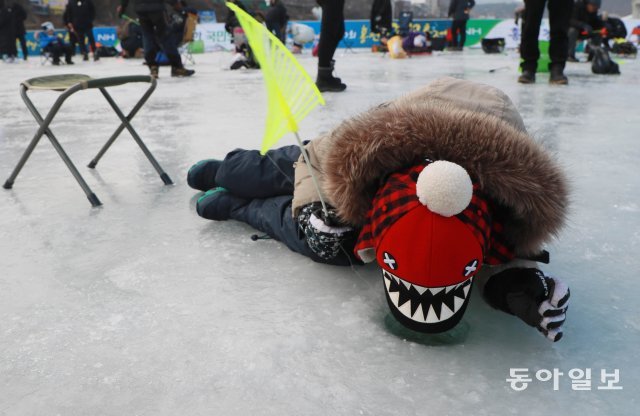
(539, 300)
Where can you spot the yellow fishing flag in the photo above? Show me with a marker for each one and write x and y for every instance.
(291, 93)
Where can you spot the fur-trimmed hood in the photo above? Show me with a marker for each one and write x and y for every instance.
(478, 128)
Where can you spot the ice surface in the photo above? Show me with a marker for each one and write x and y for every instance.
(142, 308)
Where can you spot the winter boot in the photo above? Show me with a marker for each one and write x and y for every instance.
(202, 175)
(85, 56)
(326, 82)
(218, 204)
(182, 72)
(557, 76)
(527, 77)
(96, 56)
(154, 70)
(333, 67)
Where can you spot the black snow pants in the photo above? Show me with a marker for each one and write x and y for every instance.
(261, 189)
(458, 31)
(559, 16)
(331, 30)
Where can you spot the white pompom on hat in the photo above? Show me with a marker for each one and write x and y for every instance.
(445, 188)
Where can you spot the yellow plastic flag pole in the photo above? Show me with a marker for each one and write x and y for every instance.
(291, 93)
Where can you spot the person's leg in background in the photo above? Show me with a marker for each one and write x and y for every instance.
(92, 43)
(23, 46)
(56, 50)
(149, 43)
(73, 41)
(455, 28)
(559, 17)
(529, 51)
(83, 44)
(331, 33)
(572, 41)
(463, 33)
(68, 52)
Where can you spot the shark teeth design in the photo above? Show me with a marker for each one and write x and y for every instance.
(426, 304)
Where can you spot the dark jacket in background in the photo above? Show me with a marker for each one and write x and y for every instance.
(146, 6)
(18, 16)
(381, 17)
(276, 20)
(6, 30)
(232, 21)
(457, 8)
(580, 18)
(80, 13)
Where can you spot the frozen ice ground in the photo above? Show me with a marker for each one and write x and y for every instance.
(142, 308)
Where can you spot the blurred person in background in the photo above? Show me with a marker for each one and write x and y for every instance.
(156, 34)
(584, 21)
(459, 10)
(79, 21)
(130, 35)
(276, 19)
(54, 44)
(301, 34)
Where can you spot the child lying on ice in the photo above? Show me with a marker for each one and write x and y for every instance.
(442, 187)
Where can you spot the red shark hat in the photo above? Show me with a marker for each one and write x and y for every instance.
(425, 237)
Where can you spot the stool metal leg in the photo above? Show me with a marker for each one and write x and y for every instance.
(121, 127)
(125, 122)
(44, 130)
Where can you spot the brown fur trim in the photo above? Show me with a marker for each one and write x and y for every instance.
(510, 167)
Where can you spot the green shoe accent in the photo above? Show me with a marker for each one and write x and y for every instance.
(199, 163)
(211, 192)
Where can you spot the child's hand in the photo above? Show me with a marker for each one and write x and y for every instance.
(323, 234)
(539, 300)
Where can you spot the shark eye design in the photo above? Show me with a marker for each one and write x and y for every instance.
(470, 268)
(390, 261)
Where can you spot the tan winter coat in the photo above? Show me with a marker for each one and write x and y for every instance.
(473, 125)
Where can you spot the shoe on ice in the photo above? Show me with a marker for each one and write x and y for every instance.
(326, 82)
(201, 176)
(240, 63)
(154, 70)
(557, 76)
(218, 204)
(527, 77)
(182, 72)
